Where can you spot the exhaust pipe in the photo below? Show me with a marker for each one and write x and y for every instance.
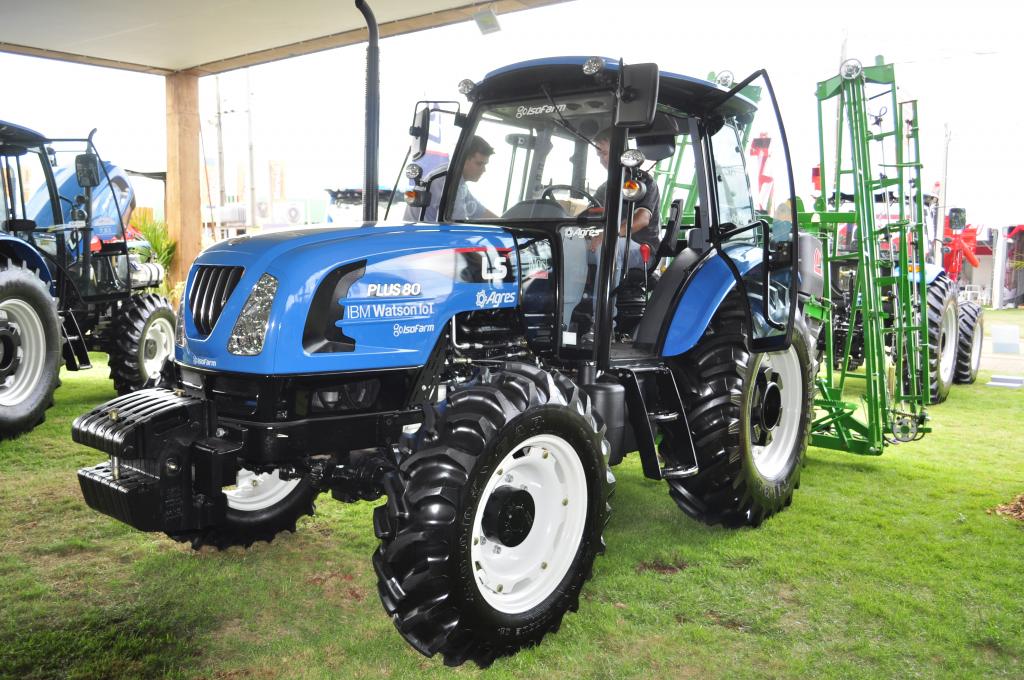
(372, 115)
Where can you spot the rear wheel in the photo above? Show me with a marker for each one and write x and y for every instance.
(30, 348)
(968, 354)
(943, 327)
(494, 521)
(143, 339)
(750, 416)
(260, 506)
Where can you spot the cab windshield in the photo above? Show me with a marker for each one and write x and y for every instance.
(544, 165)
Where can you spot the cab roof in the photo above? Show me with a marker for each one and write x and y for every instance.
(16, 135)
(565, 74)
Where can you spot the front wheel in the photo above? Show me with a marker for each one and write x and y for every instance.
(494, 520)
(143, 339)
(750, 416)
(260, 506)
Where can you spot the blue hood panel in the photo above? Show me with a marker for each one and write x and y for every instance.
(408, 282)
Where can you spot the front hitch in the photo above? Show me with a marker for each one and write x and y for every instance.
(166, 472)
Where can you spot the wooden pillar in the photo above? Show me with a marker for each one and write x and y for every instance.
(184, 212)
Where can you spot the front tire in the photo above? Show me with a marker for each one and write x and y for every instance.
(943, 328)
(968, 352)
(260, 506)
(30, 349)
(494, 520)
(750, 416)
(143, 339)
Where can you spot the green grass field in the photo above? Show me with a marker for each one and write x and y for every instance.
(883, 567)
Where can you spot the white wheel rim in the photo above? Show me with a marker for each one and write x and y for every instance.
(157, 345)
(258, 491)
(771, 459)
(517, 579)
(31, 352)
(947, 344)
(976, 340)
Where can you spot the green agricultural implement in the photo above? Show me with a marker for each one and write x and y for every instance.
(891, 335)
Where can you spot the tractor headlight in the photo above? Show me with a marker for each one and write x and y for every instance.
(593, 65)
(251, 328)
(179, 324)
(632, 158)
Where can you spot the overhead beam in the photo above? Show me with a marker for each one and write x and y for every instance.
(81, 59)
(182, 202)
(387, 30)
(327, 42)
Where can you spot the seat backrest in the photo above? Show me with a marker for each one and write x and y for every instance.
(669, 242)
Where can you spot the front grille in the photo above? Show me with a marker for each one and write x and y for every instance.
(211, 288)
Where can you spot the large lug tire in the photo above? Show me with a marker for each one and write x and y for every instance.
(750, 416)
(260, 506)
(30, 349)
(943, 329)
(142, 340)
(495, 517)
(968, 353)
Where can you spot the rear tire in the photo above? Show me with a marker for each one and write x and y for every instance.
(143, 339)
(479, 555)
(942, 337)
(968, 353)
(30, 349)
(750, 437)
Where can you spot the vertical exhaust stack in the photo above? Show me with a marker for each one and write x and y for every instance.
(372, 115)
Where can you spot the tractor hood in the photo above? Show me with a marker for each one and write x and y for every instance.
(341, 299)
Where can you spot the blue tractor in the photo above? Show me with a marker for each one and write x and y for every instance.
(71, 278)
(486, 373)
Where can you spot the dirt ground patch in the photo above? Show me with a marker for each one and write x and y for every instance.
(1014, 508)
(662, 567)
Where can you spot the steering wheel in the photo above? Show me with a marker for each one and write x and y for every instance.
(548, 192)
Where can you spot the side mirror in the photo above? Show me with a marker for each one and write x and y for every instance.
(420, 132)
(87, 170)
(638, 95)
(957, 218)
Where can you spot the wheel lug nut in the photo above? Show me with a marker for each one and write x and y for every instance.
(543, 565)
(476, 541)
(565, 501)
(500, 588)
(544, 455)
(500, 470)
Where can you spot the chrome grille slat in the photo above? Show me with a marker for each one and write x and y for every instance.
(212, 286)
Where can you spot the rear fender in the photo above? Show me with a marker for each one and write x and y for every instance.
(703, 293)
(13, 248)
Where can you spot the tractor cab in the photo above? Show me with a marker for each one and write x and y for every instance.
(73, 278)
(620, 182)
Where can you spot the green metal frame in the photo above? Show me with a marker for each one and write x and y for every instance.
(890, 287)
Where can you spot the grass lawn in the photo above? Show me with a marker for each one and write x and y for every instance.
(883, 567)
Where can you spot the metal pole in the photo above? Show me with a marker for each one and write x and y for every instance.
(252, 161)
(940, 222)
(998, 267)
(370, 182)
(220, 162)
